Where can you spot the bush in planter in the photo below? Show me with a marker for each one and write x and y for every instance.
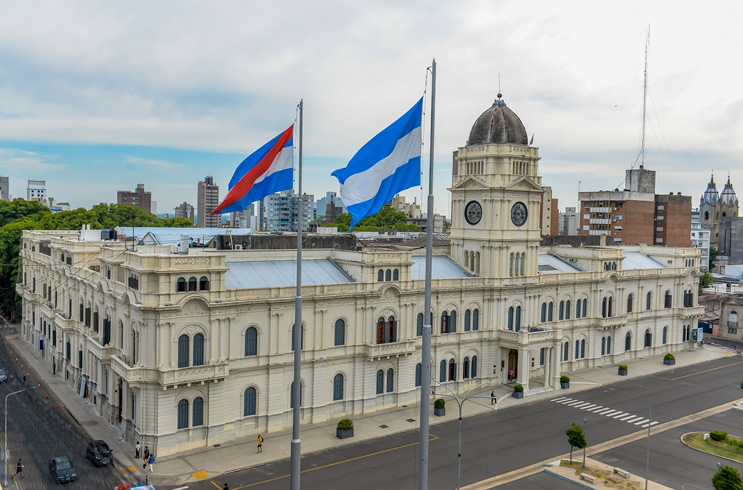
(439, 407)
(718, 435)
(669, 357)
(622, 369)
(344, 429)
(518, 388)
(564, 379)
(440, 403)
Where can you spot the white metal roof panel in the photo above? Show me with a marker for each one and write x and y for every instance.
(442, 267)
(552, 264)
(251, 274)
(637, 260)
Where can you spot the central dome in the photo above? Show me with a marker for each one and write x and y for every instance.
(498, 124)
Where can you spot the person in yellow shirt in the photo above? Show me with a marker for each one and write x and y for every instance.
(260, 443)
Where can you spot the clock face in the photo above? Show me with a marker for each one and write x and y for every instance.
(473, 212)
(519, 214)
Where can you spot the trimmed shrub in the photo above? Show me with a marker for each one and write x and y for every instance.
(622, 366)
(518, 388)
(440, 403)
(564, 379)
(669, 356)
(718, 435)
(345, 424)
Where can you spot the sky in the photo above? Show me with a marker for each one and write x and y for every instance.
(97, 97)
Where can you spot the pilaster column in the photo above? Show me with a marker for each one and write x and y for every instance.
(522, 377)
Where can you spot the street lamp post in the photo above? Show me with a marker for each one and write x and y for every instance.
(460, 401)
(5, 445)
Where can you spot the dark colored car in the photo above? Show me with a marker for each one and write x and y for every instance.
(99, 453)
(62, 470)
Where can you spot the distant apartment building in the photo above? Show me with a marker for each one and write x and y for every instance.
(4, 189)
(568, 222)
(207, 201)
(36, 190)
(336, 209)
(282, 211)
(139, 198)
(550, 213)
(637, 215)
(700, 238)
(185, 210)
(245, 218)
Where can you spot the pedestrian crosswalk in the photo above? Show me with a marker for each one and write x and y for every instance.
(638, 420)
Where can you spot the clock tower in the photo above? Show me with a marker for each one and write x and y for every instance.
(496, 197)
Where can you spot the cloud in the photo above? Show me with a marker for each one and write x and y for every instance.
(13, 159)
(150, 162)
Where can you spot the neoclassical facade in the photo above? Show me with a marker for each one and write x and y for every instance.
(185, 348)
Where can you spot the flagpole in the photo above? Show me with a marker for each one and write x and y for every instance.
(426, 345)
(296, 452)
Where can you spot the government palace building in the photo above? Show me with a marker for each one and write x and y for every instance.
(181, 347)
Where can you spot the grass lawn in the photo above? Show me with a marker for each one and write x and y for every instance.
(718, 448)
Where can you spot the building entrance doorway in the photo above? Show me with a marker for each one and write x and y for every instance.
(513, 365)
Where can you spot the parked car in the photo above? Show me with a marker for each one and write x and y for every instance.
(62, 470)
(99, 453)
(3, 376)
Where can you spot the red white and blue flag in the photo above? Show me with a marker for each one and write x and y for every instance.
(268, 170)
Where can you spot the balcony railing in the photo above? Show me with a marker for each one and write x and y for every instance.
(101, 352)
(392, 349)
(194, 374)
(525, 337)
(733, 324)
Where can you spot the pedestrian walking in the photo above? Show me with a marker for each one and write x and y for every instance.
(260, 443)
(510, 375)
(19, 468)
(226, 487)
(151, 461)
(136, 451)
(54, 368)
(492, 398)
(146, 452)
(144, 462)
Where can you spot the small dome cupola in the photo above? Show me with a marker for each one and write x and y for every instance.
(710, 195)
(498, 124)
(728, 197)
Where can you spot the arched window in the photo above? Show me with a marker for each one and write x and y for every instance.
(183, 342)
(565, 349)
(466, 368)
(419, 325)
(523, 259)
(453, 321)
(473, 368)
(183, 414)
(510, 268)
(181, 285)
(380, 275)
(648, 338)
(390, 380)
(550, 311)
(192, 284)
(392, 329)
(380, 382)
(518, 319)
(561, 311)
(603, 307)
(388, 275)
(611, 300)
(603, 345)
(442, 371)
(338, 387)
(608, 345)
(340, 332)
(198, 412)
(577, 309)
(567, 310)
(628, 342)
(665, 335)
(251, 342)
(396, 275)
(544, 312)
(668, 299)
(291, 395)
(583, 348)
(198, 349)
(467, 320)
(585, 307)
(418, 374)
(648, 300)
(510, 318)
(204, 284)
(577, 349)
(629, 303)
(706, 215)
(452, 370)
(249, 402)
(475, 319)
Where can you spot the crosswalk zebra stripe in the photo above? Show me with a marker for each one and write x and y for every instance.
(609, 412)
(632, 419)
(588, 407)
(581, 405)
(630, 416)
(596, 409)
(620, 414)
(605, 411)
(641, 421)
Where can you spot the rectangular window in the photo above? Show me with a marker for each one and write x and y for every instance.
(659, 218)
(658, 228)
(586, 216)
(659, 240)
(585, 228)
(661, 207)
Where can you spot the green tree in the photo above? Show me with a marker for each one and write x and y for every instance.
(727, 478)
(713, 255)
(705, 280)
(576, 438)
(387, 219)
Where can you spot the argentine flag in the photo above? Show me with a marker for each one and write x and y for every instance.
(388, 164)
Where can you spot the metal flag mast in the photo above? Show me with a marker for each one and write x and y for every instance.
(296, 452)
(426, 344)
(644, 100)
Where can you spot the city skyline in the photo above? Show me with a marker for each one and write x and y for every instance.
(127, 103)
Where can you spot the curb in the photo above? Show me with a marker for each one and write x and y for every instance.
(702, 451)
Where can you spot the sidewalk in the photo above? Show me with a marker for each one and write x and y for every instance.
(209, 462)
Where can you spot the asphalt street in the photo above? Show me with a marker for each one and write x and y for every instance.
(506, 440)
(38, 431)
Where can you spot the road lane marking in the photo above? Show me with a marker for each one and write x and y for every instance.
(641, 421)
(620, 414)
(706, 370)
(630, 416)
(535, 468)
(596, 409)
(556, 399)
(632, 419)
(609, 413)
(588, 407)
(363, 456)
